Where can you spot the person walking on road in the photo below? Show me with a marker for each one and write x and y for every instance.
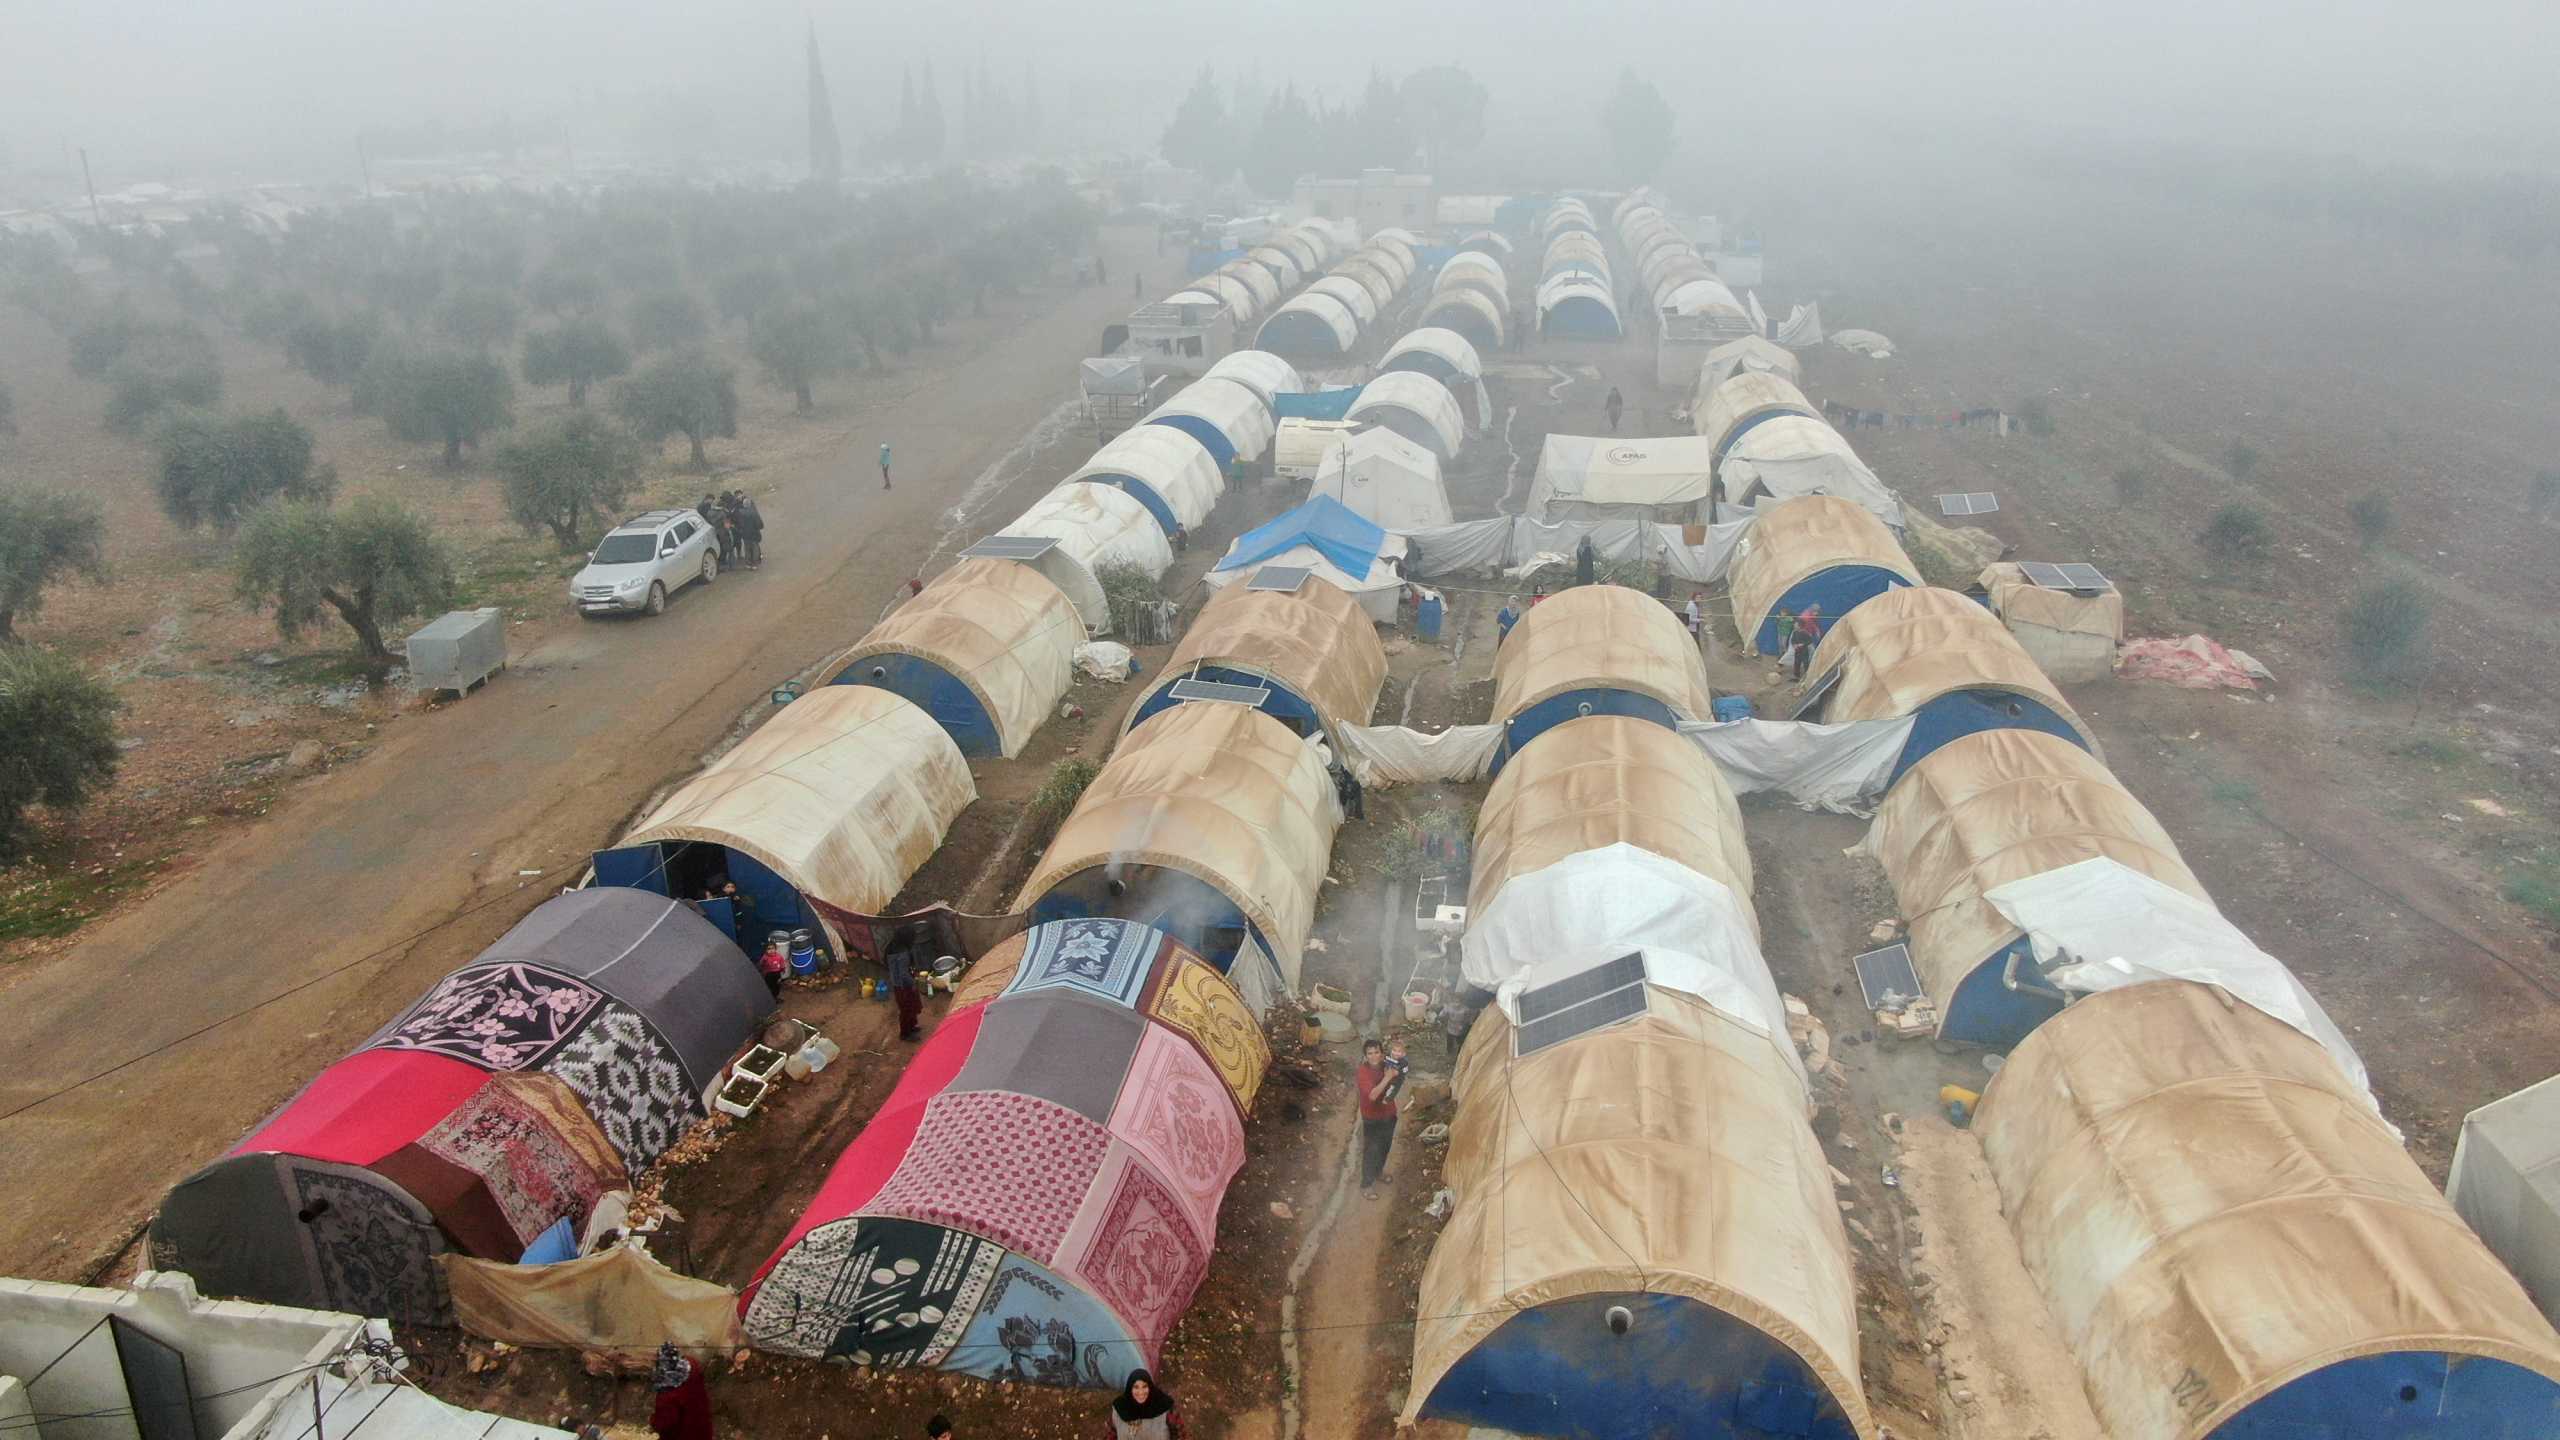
(884, 464)
(902, 989)
(1375, 1082)
(1614, 406)
(1145, 1410)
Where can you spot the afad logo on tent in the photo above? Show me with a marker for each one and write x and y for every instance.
(1625, 455)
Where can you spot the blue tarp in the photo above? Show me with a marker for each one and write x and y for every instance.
(1349, 542)
(552, 1246)
(1315, 404)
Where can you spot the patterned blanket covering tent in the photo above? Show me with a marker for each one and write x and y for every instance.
(1943, 658)
(1213, 823)
(837, 798)
(1985, 810)
(986, 650)
(1819, 550)
(1596, 650)
(1313, 650)
(1038, 1199)
(558, 1064)
(2235, 1244)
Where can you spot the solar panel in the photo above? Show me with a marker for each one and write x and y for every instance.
(2064, 577)
(1011, 547)
(1887, 972)
(1978, 502)
(1189, 690)
(1546, 1000)
(1282, 578)
(1625, 1003)
(2086, 577)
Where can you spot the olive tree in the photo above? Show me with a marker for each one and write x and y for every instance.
(663, 319)
(57, 738)
(161, 370)
(687, 393)
(561, 475)
(456, 396)
(577, 353)
(45, 537)
(478, 316)
(374, 563)
(215, 469)
(795, 344)
(331, 350)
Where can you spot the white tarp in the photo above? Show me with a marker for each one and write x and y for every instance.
(1384, 478)
(1578, 474)
(1864, 342)
(1841, 768)
(2506, 1182)
(1508, 541)
(1794, 455)
(1748, 997)
(2089, 913)
(1259, 371)
(1231, 407)
(1383, 755)
(1802, 327)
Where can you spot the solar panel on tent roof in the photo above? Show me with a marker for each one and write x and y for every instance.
(1887, 972)
(2064, 577)
(1978, 502)
(1573, 990)
(1189, 690)
(1011, 547)
(1282, 578)
(1624, 1003)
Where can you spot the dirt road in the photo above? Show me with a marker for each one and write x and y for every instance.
(433, 834)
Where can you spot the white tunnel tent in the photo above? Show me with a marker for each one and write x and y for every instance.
(1165, 469)
(1415, 406)
(1364, 271)
(1086, 526)
(1353, 295)
(1311, 324)
(1471, 313)
(1228, 419)
(1261, 372)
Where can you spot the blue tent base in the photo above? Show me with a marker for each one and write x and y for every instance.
(1984, 1011)
(1547, 714)
(1186, 907)
(1315, 404)
(2405, 1395)
(1683, 1371)
(935, 691)
(1296, 332)
(1580, 317)
(1959, 713)
(1838, 590)
(1466, 322)
(1144, 493)
(1734, 436)
(664, 867)
(1211, 438)
(1284, 705)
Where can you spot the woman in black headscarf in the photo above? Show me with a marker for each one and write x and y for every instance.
(1144, 1411)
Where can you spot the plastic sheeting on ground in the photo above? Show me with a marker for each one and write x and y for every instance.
(2233, 1243)
(1381, 755)
(1697, 554)
(1863, 342)
(2100, 925)
(1596, 477)
(621, 1304)
(1840, 767)
(1666, 1162)
(2197, 662)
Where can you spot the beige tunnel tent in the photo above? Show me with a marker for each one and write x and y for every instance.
(1749, 354)
(2233, 1242)
(986, 650)
(1822, 551)
(1644, 1239)
(1746, 400)
(1094, 526)
(1942, 658)
(841, 795)
(1609, 780)
(1213, 823)
(1313, 652)
(1471, 313)
(1596, 650)
(1992, 807)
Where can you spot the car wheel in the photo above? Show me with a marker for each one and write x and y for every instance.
(657, 599)
(710, 566)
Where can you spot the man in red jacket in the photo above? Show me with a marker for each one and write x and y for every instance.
(683, 1409)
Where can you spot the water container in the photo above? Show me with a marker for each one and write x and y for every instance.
(1426, 619)
(827, 1049)
(798, 1066)
(1417, 1005)
(804, 952)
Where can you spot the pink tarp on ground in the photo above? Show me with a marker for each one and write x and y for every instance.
(2197, 662)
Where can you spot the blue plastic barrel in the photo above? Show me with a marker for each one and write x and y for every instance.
(1426, 618)
(804, 952)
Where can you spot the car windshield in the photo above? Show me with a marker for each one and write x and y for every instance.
(626, 549)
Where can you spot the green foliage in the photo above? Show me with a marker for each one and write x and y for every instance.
(1056, 798)
(2036, 414)
(1200, 136)
(478, 316)
(664, 319)
(577, 468)
(57, 738)
(2241, 459)
(2132, 484)
(455, 396)
(687, 393)
(332, 350)
(2238, 534)
(577, 353)
(2536, 888)
(160, 371)
(2372, 514)
(1124, 588)
(742, 293)
(269, 316)
(1445, 106)
(100, 339)
(1409, 855)
(373, 564)
(566, 288)
(45, 536)
(1640, 126)
(2385, 626)
(794, 345)
(215, 469)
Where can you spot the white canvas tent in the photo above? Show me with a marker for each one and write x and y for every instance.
(1312, 323)
(1386, 479)
(1232, 409)
(1415, 406)
(1261, 372)
(1750, 353)
(1173, 467)
(1094, 525)
(2506, 1182)
(1354, 296)
(1794, 455)
(1608, 477)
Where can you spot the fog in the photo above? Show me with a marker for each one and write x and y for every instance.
(160, 89)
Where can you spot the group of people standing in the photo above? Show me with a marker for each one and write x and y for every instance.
(737, 524)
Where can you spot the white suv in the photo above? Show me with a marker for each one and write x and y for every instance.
(643, 560)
